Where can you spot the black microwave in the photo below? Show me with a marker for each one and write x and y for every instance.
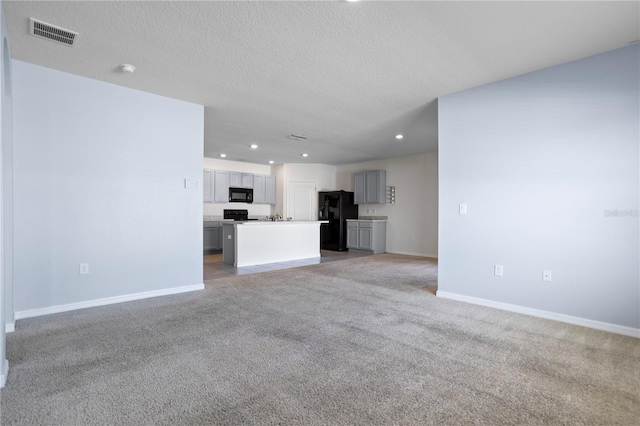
(240, 195)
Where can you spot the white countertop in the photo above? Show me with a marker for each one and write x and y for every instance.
(277, 222)
(366, 220)
(220, 219)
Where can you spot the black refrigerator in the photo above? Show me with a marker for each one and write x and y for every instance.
(336, 207)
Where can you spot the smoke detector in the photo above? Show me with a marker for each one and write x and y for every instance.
(52, 32)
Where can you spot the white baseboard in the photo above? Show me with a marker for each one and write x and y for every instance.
(598, 325)
(4, 373)
(10, 327)
(106, 301)
(410, 253)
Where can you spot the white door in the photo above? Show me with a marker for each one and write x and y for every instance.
(302, 200)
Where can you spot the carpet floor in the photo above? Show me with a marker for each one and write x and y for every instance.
(357, 342)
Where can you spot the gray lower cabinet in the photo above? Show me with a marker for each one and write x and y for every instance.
(367, 236)
(228, 243)
(212, 237)
(370, 187)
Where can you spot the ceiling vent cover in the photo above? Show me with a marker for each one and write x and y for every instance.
(51, 32)
(297, 137)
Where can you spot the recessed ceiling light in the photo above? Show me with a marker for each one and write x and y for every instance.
(305, 154)
(253, 146)
(127, 68)
(223, 155)
(271, 161)
(399, 137)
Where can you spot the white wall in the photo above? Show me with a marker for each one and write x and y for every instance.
(213, 209)
(278, 172)
(412, 226)
(6, 195)
(540, 159)
(99, 178)
(323, 175)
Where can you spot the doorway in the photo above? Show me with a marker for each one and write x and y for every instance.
(302, 200)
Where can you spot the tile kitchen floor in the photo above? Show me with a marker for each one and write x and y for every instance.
(214, 268)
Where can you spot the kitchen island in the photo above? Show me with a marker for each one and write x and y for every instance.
(260, 242)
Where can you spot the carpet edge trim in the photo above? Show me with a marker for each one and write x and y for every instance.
(584, 322)
(106, 301)
(411, 253)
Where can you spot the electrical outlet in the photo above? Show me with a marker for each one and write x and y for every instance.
(498, 270)
(84, 268)
(546, 275)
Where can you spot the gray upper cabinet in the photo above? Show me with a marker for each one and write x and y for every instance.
(216, 183)
(207, 186)
(258, 189)
(359, 188)
(370, 187)
(264, 189)
(240, 180)
(235, 179)
(270, 190)
(247, 180)
(221, 186)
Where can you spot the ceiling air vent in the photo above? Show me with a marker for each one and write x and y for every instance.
(297, 137)
(51, 32)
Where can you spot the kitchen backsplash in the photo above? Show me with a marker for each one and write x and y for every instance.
(210, 209)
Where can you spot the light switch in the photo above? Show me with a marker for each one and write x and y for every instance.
(462, 209)
(498, 270)
(191, 184)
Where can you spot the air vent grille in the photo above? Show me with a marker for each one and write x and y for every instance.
(51, 32)
(297, 137)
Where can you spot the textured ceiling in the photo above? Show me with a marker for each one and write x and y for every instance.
(349, 76)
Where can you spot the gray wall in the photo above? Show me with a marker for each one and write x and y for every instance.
(7, 178)
(99, 178)
(6, 194)
(541, 160)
